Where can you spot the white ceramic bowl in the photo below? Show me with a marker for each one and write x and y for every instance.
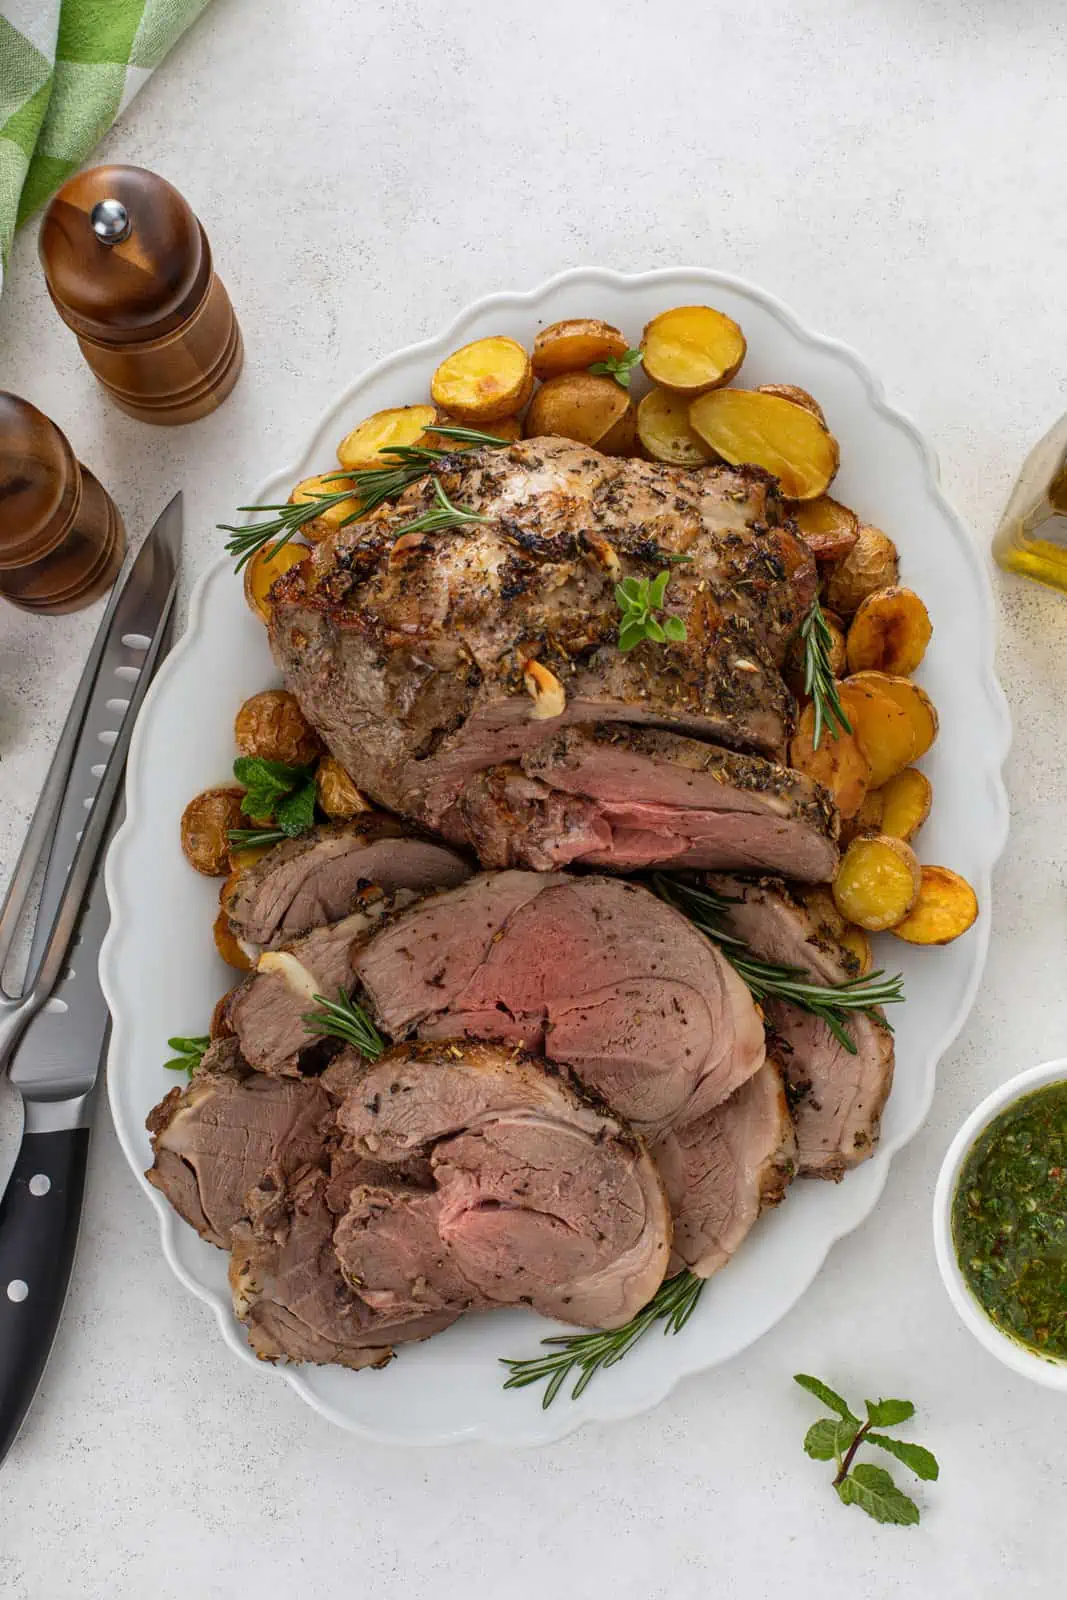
(1042, 1369)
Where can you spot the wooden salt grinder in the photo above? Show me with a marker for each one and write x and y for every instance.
(129, 268)
(61, 538)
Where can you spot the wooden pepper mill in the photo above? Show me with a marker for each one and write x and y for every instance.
(61, 538)
(129, 268)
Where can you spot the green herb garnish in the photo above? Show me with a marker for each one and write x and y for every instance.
(345, 1019)
(370, 486)
(190, 1053)
(769, 981)
(618, 367)
(254, 838)
(274, 790)
(839, 1437)
(819, 680)
(586, 1353)
(444, 515)
(638, 600)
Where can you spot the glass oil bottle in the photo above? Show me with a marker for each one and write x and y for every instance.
(1032, 536)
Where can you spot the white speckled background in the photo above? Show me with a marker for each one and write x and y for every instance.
(894, 172)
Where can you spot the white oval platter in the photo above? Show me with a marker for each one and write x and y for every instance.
(161, 974)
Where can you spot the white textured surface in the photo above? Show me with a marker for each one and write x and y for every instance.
(891, 172)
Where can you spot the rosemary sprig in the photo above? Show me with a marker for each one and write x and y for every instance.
(370, 486)
(252, 838)
(673, 1304)
(770, 981)
(345, 1019)
(819, 681)
(444, 515)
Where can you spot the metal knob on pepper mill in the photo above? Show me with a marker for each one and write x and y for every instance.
(129, 269)
(61, 538)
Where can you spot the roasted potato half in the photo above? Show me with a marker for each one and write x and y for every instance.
(871, 564)
(573, 345)
(905, 802)
(746, 427)
(883, 733)
(205, 826)
(799, 397)
(838, 764)
(264, 570)
(691, 349)
(868, 819)
(889, 633)
(584, 406)
(877, 882)
(329, 520)
(483, 381)
(664, 432)
(337, 794)
(828, 528)
(227, 946)
(271, 725)
(946, 907)
(402, 425)
(794, 666)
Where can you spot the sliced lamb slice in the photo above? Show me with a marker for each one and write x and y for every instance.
(266, 1012)
(229, 1145)
(725, 1168)
(289, 1292)
(837, 1098)
(319, 878)
(631, 798)
(543, 1197)
(592, 972)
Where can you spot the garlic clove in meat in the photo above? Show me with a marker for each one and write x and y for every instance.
(548, 694)
(295, 974)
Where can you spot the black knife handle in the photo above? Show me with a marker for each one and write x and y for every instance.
(39, 1216)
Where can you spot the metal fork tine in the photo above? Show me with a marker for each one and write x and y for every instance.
(37, 846)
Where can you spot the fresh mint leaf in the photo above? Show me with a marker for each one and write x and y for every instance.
(269, 786)
(618, 367)
(823, 1392)
(887, 1413)
(873, 1490)
(296, 813)
(826, 1439)
(921, 1461)
(190, 1053)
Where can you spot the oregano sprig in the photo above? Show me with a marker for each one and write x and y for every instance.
(191, 1052)
(587, 1353)
(638, 600)
(819, 680)
(840, 1437)
(618, 367)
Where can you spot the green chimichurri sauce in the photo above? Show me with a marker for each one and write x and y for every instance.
(1009, 1220)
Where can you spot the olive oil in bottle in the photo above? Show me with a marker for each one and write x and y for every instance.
(1032, 537)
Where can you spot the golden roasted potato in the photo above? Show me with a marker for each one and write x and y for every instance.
(799, 397)
(906, 801)
(587, 407)
(337, 794)
(330, 520)
(888, 737)
(793, 668)
(227, 946)
(691, 349)
(871, 564)
(868, 818)
(828, 528)
(401, 425)
(242, 857)
(483, 381)
(945, 908)
(271, 724)
(574, 345)
(877, 882)
(509, 428)
(744, 426)
(916, 706)
(264, 570)
(220, 1017)
(856, 944)
(664, 431)
(818, 901)
(838, 764)
(889, 633)
(206, 821)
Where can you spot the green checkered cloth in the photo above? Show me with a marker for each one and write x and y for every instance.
(68, 68)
